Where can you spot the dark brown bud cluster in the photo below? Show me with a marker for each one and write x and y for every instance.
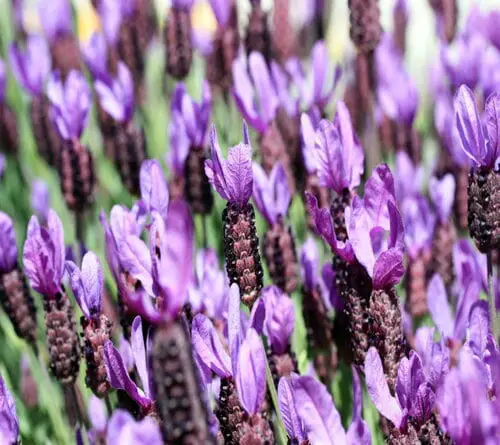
(177, 37)
(47, 137)
(197, 189)
(484, 209)
(365, 29)
(224, 51)
(241, 250)
(281, 257)
(66, 56)
(284, 37)
(18, 304)
(258, 37)
(407, 139)
(386, 330)
(95, 333)
(129, 152)
(461, 205)
(442, 251)
(427, 433)
(62, 340)
(76, 173)
(183, 414)
(448, 10)
(9, 137)
(416, 284)
(337, 210)
(236, 426)
(273, 149)
(281, 365)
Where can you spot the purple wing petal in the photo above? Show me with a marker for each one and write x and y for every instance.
(280, 189)
(388, 269)
(410, 377)
(309, 260)
(492, 118)
(288, 410)
(207, 344)
(9, 421)
(479, 327)
(135, 259)
(238, 173)
(442, 193)
(93, 282)
(55, 16)
(424, 403)
(221, 10)
(321, 420)
(97, 413)
(251, 373)
(378, 389)
(358, 432)
(118, 375)
(467, 297)
(379, 190)
(154, 189)
(268, 101)
(439, 307)
(258, 316)
(139, 353)
(214, 167)
(262, 194)
(330, 157)
(56, 232)
(469, 125)
(234, 327)
(8, 246)
(78, 287)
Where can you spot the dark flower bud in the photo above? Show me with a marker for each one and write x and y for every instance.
(76, 172)
(96, 332)
(484, 208)
(177, 37)
(461, 197)
(365, 29)
(184, 419)
(241, 250)
(197, 189)
(281, 365)
(29, 386)
(9, 138)
(284, 37)
(48, 140)
(442, 251)
(416, 285)
(65, 53)
(258, 37)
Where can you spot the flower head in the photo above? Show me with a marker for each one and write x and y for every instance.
(9, 422)
(44, 255)
(56, 19)
(117, 370)
(231, 178)
(442, 193)
(123, 428)
(480, 141)
(70, 103)
(375, 229)
(419, 222)
(87, 284)
(254, 93)
(271, 194)
(95, 53)
(338, 152)
(31, 66)
(414, 396)
(8, 247)
(116, 95)
(280, 318)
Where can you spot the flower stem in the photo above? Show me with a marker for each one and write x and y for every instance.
(280, 429)
(108, 405)
(491, 297)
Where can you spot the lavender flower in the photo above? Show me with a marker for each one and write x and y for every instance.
(98, 416)
(405, 168)
(117, 372)
(9, 425)
(411, 410)
(31, 66)
(95, 53)
(111, 14)
(71, 103)
(56, 18)
(40, 199)
(435, 356)
(122, 427)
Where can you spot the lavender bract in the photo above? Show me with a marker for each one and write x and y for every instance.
(9, 424)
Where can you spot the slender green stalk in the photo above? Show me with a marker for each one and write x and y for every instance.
(280, 429)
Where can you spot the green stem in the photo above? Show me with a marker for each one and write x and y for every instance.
(280, 429)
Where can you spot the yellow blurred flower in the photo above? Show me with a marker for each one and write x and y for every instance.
(203, 18)
(87, 20)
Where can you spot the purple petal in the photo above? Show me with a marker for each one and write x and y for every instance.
(9, 422)
(378, 389)
(280, 318)
(280, 189)
(424, 403)
(136, 260)
(442, 193)
(467, 297)
(234, 328)
(288, 410)
(55, 16)
(492, 121)
(221, 10)
(78, 287)
(329, 153)
(95, 53)
(238, 174)
(139, 353)
(469, 125)
(179, 144)
(268, 101)
(263, 195)
(207, 344)
(388, 269)
(479, 327)
(358, 432)
(123, 428)
(154, 188)
(214, 167)
(308, 143)
(410, 377)
(111, 15)
(321, 420)
(56, 232)
(439, 308)
(357, 394)
(8, 246)
(379, 190)
(309, 260)
(40, 198)
(118, 375)
(93, 282)
(97, 413)
(250, 375)
(258, 316)
(125, 351)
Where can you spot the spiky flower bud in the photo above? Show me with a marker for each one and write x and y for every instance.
(258, 37)
(95, 333)
(365, 29)
(428, 432)
(62, 340)
(66, 55)
(18, 304)
(461, 209)
(76, 172)
(241, 250)
(48, 140)
(442, 251)
(177, 37)
(484, 208)
(284, 37)
(184, 419)
(196, 186)
(416, 285)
